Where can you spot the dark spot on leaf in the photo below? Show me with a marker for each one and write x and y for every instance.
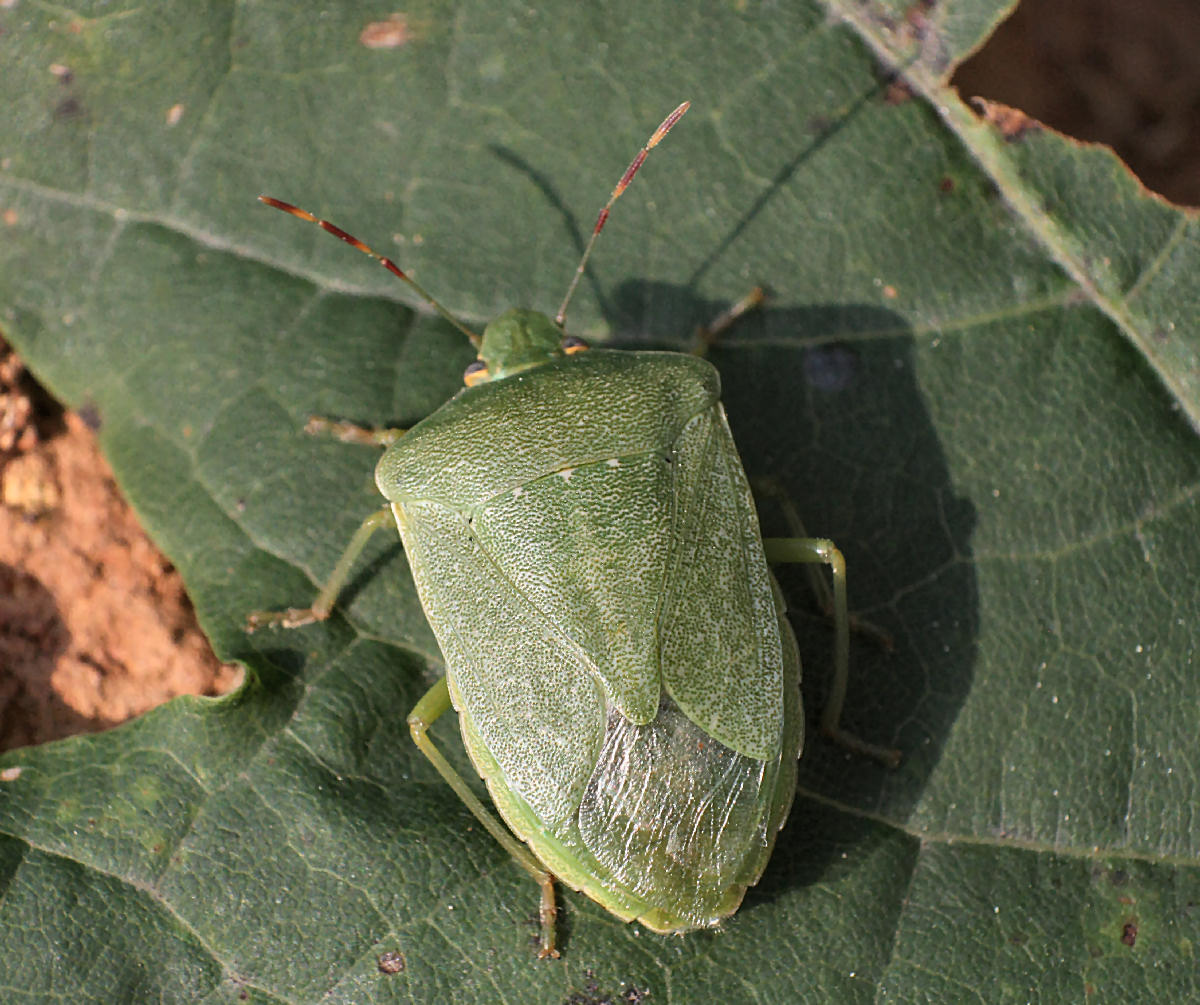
(896, 89)
(831, 367)
(593, 995)
(1129, 932)
(68, 108)
(898, 92)
(1118, 877)
(392, 963)
(947, 184)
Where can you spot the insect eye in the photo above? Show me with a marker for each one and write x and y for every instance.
(475, 373)
(573, 344)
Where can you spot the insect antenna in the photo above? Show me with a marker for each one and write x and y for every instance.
(622, 185)
(387, 263)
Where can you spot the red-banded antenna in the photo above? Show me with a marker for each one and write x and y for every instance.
(387, 263)
(622, 185)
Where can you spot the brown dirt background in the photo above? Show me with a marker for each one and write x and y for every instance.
(95, 626)
(1121, 72)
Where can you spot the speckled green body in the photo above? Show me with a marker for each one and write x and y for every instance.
(585, 545)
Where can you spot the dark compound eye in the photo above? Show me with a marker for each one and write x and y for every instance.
(475, 373)
(573, 343)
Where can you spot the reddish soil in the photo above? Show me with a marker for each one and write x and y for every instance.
(95, 627)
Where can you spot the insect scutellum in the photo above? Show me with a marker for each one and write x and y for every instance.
(519, 339)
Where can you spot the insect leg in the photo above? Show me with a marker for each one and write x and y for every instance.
(434, 704)
(707, 334)
(816, 550)
(351, 432)
(294, 617)
(816, 581)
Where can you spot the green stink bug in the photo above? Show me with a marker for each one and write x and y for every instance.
(585, 546)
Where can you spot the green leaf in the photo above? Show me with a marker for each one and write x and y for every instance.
(978, 373)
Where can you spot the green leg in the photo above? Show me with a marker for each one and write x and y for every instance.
(817, 582)
(294, 617)
(434, 704)
(814, 550)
